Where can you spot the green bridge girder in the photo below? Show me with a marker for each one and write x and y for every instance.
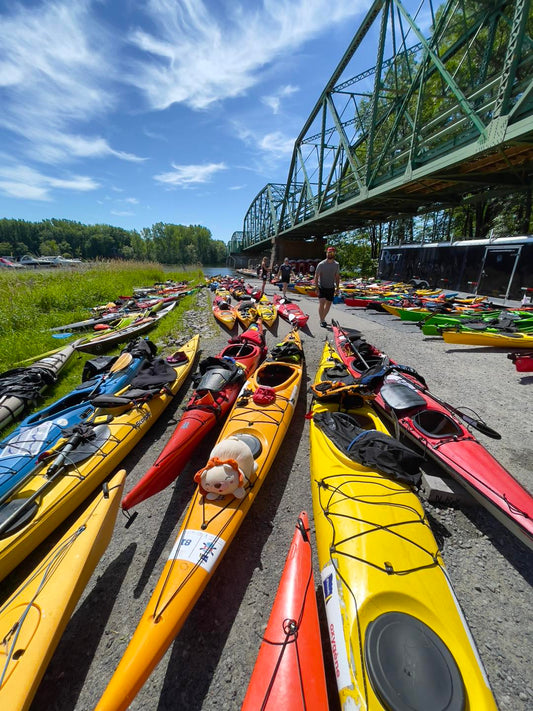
(444, 113)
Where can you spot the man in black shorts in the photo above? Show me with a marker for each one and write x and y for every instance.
(327, 278)
(285, 275)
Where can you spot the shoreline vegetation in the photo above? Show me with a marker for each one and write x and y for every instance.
(33, 302)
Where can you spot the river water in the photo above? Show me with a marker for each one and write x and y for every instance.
(218, 271)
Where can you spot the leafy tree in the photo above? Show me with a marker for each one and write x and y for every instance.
(164, 243)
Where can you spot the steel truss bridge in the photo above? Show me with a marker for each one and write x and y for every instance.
(445, 112)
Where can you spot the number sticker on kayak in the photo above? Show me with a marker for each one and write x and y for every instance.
(197, 547)
(335, 627)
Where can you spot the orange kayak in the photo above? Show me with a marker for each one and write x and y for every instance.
(242, 456)
(289, 671)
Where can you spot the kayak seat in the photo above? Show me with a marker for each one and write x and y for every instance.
(436, 424)
(339, 373)
(253, 442)
(401, 397)
(273, 374)
(410, 667)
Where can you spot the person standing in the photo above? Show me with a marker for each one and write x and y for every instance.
(263, 273)
(285, 272)
(327, 279)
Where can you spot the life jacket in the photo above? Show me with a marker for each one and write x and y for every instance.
(287, 351)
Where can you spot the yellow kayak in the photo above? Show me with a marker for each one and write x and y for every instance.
(484, 338)
(394, 310)
(267, 311)
(397, 632)
(33, 618)
(306, 289)
(255, 428)
(83, 461)
(246, 312)
(224, 312)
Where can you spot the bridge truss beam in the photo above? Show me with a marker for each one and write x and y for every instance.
(444, 113)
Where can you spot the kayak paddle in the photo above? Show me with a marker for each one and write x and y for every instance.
(16, 513)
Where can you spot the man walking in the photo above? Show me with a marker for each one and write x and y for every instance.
(285, 275)
(327, 278)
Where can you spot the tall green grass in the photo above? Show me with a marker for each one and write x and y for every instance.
(32, 302)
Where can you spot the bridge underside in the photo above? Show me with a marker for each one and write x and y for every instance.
(499, 171)
(436, 122)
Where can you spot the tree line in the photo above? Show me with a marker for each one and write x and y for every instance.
(163, 243)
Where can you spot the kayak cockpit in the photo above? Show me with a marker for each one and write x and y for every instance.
(273, 375)
(434, 423)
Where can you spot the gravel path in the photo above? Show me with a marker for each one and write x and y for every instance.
(210, 662)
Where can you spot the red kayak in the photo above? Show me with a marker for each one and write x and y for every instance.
(290, 311)
(216, 388)
(523, 361)
(437, 427)
(289, 670)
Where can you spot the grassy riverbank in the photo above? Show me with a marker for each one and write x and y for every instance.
(33, 302)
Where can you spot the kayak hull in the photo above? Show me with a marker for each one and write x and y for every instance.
(443, 437)
(12, 406)
(289, 670)
(267, 312)
(110, 338)
(204, 410)
(495, 340)
(20, 452)
(34, 617)
(290, 311)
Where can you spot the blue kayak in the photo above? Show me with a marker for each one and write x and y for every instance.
(22, 452)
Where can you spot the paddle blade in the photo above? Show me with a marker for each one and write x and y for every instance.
(121, 362)
(479, 425)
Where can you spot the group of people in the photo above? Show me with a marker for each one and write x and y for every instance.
(326, 280)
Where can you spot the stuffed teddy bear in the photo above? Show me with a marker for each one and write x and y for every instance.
(230, 463)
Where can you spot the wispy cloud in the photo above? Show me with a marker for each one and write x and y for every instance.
(122, 213)
(191, 57)
(23, 182)
(56, 70)
(276, 144)
(131, 200)
(187, 175)
(274, 100)
(155, 135)
(271, 148)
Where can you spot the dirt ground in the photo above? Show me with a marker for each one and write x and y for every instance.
(209, 664)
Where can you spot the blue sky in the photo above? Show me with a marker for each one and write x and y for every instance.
(131, 112)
